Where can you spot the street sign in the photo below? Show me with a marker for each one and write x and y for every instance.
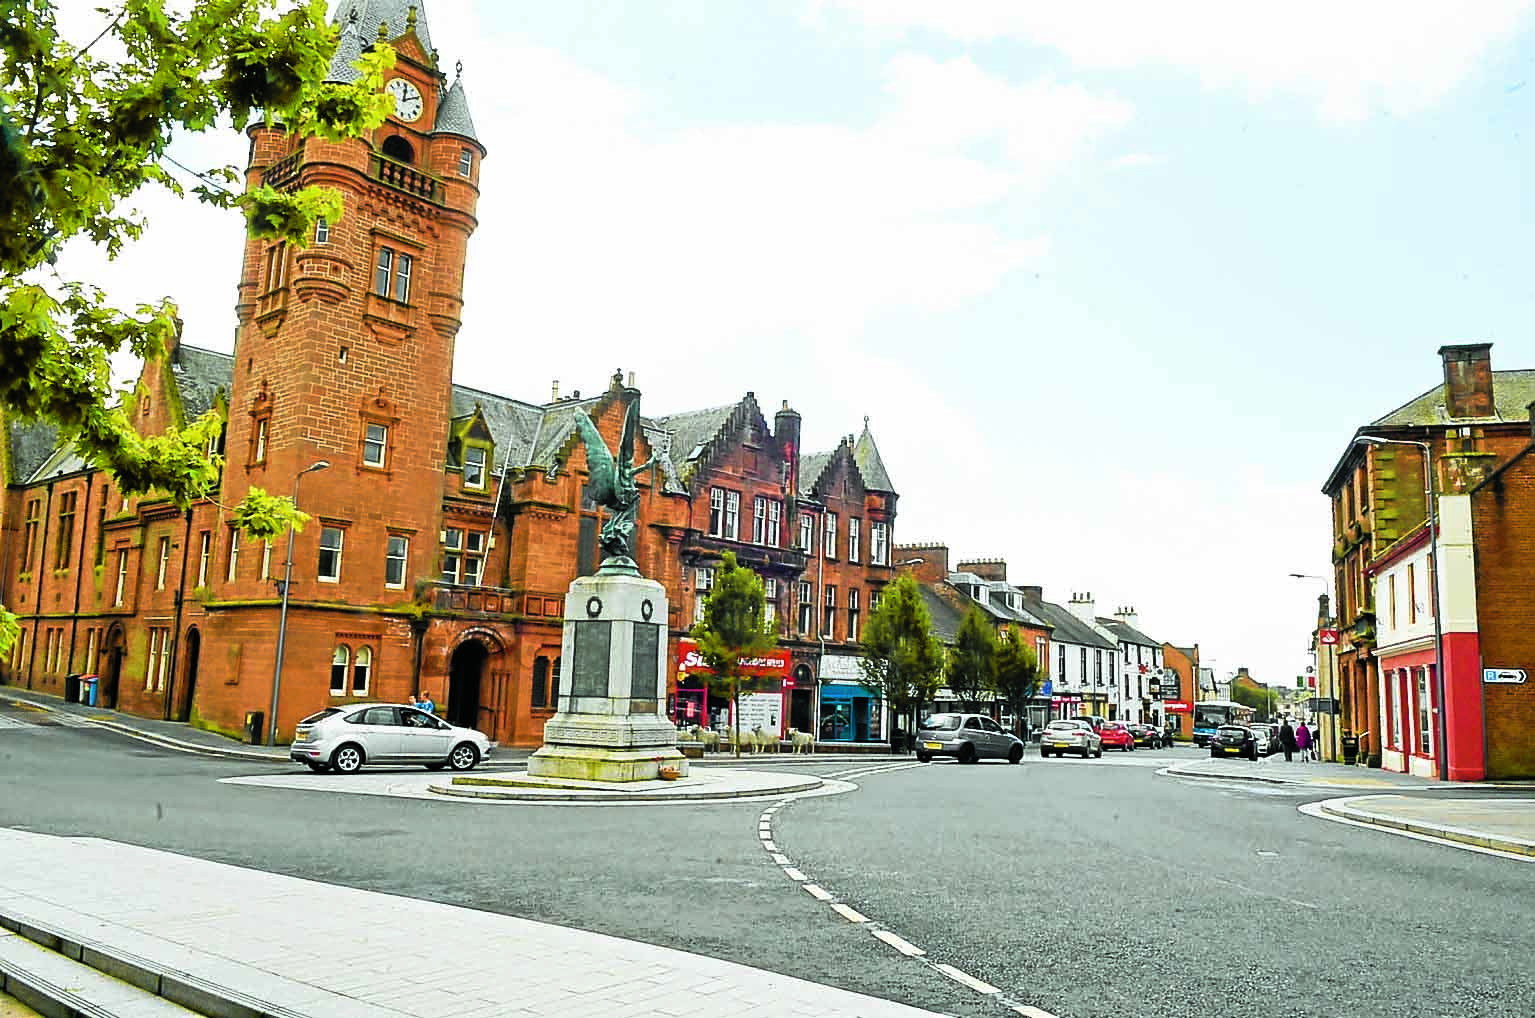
(1322, 705)
(1508, 675)
(1327, 637)
(1177, 706)
(1155, 688)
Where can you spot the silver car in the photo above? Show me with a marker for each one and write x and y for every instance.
(345, 738)
(1077, 736)
(966, 737)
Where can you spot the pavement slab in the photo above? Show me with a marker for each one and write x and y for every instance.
(1504, 824)
(1279, 772)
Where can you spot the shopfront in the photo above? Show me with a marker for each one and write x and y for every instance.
(850, 711)
(1409, 714)
(701, 699)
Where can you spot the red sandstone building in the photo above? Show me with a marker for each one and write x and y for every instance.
(447, 521)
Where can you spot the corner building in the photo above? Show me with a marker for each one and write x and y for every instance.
(447, 522)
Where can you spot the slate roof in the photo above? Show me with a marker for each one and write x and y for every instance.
(1512, 394)
(1128, 633)
(31, 445)
(1068, 628)
(201, 376)
(945, 616)
(348, 48)
(870, 465)
(453, 113)
(393, 13)
(693, 429)
(811, 467)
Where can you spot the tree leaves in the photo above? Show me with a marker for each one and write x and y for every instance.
(734, 628)
(902, 659)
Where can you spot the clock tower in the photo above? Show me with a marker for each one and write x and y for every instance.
(345, 347)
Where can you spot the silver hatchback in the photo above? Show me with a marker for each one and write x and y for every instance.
(967, 737)
(345, 738)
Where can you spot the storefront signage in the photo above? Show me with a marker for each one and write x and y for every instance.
(1177, 706)
(842, 667)
(1327, 637)
(761, 710)
(774, 662)
(1509, 675)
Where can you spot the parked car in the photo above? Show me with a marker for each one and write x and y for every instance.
(1234, 740)
(1074, 736)
(1117, 735)
(1149, 736)
(345, 738)
(1267, 739)
(967, 738)
(1094, 721)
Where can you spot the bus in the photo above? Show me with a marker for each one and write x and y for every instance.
(1211, 714)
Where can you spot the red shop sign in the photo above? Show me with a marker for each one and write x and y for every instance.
(1177, 706)
(774, 662)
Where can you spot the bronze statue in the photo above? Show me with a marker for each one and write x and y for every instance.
(611, 485)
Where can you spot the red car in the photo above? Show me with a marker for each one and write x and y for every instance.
(1117, 736)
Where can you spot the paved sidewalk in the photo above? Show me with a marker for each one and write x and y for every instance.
(335, 952)
(1278, 772)
(1505, 824)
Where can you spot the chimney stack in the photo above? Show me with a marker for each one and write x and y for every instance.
(1467, 380)
(927, 563)
(1082, 606)
(554, 391)
(994, 569)
(1033, 593)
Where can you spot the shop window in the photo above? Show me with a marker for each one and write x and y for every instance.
(1425, 714)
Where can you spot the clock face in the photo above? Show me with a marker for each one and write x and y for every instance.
(407, 99)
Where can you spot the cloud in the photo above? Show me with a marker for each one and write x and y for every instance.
(1349, 59)
(1135, 160)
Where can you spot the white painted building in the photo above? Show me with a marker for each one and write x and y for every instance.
(1404, 627)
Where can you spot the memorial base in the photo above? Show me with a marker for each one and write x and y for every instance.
(596, 763)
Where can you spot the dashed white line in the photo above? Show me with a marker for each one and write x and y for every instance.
(1032, 1012)
(817, 892)
(849, 913)
(765, 833)
(900, 943)
(769, 845)
(965, 979)
(780, 859)
(794, 874)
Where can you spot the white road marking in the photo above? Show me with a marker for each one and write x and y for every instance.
(794, 874)
(1314, 809)
(965, 979)
(1029, 1011)
(765, 833)
(780, 859)
(901, 944)
(849, 913)
(769, 845)
(817, 892)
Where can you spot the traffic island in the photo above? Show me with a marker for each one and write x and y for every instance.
(702, 784)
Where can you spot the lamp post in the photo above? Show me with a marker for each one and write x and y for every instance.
(282, 618)
(1326, 680)
(1430, 489)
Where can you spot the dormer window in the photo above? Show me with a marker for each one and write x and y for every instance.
(475, 458)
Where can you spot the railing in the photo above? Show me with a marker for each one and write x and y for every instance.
(404, 178)
(283, 171)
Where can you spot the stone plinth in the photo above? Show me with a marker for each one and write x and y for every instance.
(610, 723)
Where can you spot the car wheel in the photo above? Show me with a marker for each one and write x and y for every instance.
(1130, 748)
(463, 757)
(967, 754)
(347, 759)
(439, 765)
(317, 766)
(924, 757)
(1015, 755)
(1214, 755)
(1099, 753)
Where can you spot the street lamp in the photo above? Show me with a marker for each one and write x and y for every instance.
(282, 618)
(1430, 489)
(1327, 680)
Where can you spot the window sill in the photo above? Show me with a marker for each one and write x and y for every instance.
(328, 579)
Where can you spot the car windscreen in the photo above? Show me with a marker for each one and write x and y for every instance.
(1065, 726)
(321, 716)
(942, 723)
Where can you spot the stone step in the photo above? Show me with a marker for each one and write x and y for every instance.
(58, 987)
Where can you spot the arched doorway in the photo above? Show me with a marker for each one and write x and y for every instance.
(117, 649)
(465, 671)
(188, 687)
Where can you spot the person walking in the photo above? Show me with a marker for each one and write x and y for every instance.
(1303, 742)
(423, 702)
(1287, 741)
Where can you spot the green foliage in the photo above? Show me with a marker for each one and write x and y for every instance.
(1263, 700)
(10, 628)
(265, 517)
(971, 667)
(734, 629)
(1016, 677)
(902, 659)
(80, 134)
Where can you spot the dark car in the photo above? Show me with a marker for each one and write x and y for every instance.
(1147, 735)
(1234, 740)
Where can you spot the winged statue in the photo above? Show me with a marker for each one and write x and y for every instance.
(611, 485)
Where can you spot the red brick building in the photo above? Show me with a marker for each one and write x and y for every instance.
(447, 521)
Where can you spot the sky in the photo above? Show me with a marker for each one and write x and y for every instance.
(1113, 283)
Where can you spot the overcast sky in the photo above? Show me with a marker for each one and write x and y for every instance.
(1113, 281)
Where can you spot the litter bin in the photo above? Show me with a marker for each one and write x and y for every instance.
(254, 722)
(72, 688)
(88, 684)
(1350, 749)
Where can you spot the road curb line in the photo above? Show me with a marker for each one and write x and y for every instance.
(1456, 837)
(164, 741)
(1174, 772)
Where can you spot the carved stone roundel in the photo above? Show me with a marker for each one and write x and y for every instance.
(593, 607)
(647, 609)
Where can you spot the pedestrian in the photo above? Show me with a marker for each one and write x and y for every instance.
(423, 702)
(1303, 742)
(1287, 741)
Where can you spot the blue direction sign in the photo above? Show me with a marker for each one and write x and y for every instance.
(1511, 675)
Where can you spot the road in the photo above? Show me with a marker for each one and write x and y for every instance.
(1081, 887)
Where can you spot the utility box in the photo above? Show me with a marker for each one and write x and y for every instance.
(254, 725)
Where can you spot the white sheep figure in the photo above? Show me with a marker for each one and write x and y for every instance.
(801, 742)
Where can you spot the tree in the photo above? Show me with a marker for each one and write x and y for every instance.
(902, 659)
(1263, 700)
(80, 133)
(735, 629)
(1015, 678)
(972, 662)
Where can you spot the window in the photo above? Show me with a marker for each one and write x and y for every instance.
(465, 162)
(463, 558)
(879, 543)
(34, 512)
(1412, 597)
(1040, 659)
(540, 691)
(164, 561)
(329, 569)
(122, 579)
(716, 512)
(474, 467)
(101, 531)
(234, 554)
(276, 261)
(1394, 705)
(700, 606)
(703, 578)
(854, 525)
(158, 663)
(1425, 715)
(391, 276)
(206, 550)
(89, 664)
(154, 656)
(732, 516)
(1083, 673)
(1060, 666)
(321, 231)
(258, 440)
(375, 445)
(806, 607)
(774, 523)
(759, 520)
(1391, 598)
(19, 649)
(66, 530)
(829, 613)
(852, 613)
(340, 661)
(396, 551)
(829, 532)
(266, 560)
(165, 660)
(361, 667)
(1097, 667)
(554, 682)
(770, 589)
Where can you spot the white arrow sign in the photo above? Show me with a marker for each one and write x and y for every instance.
(1513, 675)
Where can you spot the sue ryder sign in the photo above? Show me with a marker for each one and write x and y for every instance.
(774, 662)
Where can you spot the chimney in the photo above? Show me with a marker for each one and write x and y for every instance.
(927, 563)
(994, 569)
(1467, 380)
(1128, 617)
(631, 379)
(173, 344)
(786, 430)
(554, 391)
(1081, 606)
(1033, 593)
